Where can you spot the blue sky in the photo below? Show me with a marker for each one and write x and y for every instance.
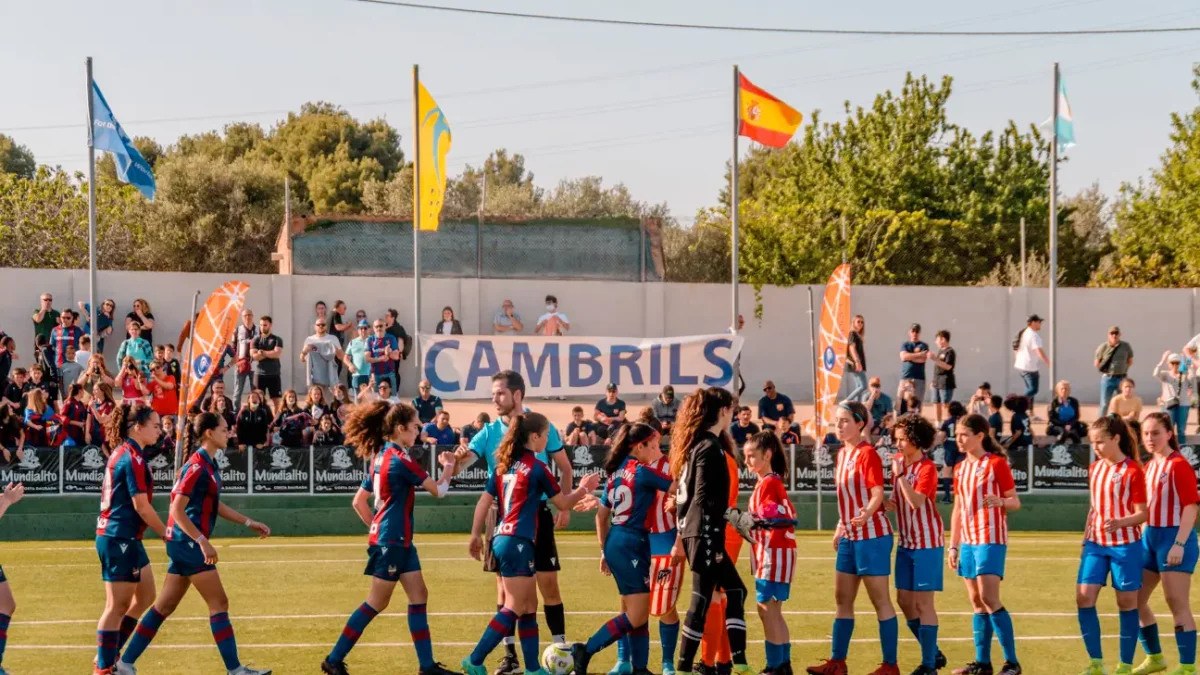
(645, 106)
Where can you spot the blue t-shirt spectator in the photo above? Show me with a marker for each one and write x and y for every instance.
(445, 436)
(613, 409)
(881, 407)
(910, 370)
(1022, 435)
(427, 408)
(996, 422)
(774, 409)
(950, 445)
(741, 433)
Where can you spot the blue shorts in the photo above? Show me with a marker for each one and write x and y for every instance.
(1124, 561)
(1158, 541)
(661, 543)
(186, 558)
(976, 560)
(766, 591)
(943, 395)
(389, 561)
(514, 556)
(866, 558)
(951, 455)
(919, 569)
(121, 560)
(3, 579)
(627, 552)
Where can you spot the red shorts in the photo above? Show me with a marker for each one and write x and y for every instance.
(665, 581)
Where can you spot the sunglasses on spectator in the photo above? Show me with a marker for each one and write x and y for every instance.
(362, 327)
(378, 326)
(321, 325)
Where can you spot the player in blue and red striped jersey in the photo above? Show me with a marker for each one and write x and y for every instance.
(125, 513)
(627, 510)
(518, 483)
(383, 432)
(12, 494)
(195, 505)
(773, 551)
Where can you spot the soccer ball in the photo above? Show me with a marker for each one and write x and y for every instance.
(557, 659)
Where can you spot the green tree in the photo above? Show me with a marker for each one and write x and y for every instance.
(16, 159)
(106, 166)
(694, 254)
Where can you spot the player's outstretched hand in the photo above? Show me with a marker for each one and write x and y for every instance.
(587, 503)
(590, 482)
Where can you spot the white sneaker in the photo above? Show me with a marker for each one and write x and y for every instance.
(247, 670)
(124, 668)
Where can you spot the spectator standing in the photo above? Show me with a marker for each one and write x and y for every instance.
(401, 336)
(356, 356)
(737, 362)
(856, 358)
(742, 428)
(15, 390)
(132, 381)
(1114, 357)
(321, 312)
(609, 413)
(39, 418)
(580, 431)
(142, 316)
(95, 373)
(45, 318)
(507, 321)
(265, 350)
(666, 409)
(136, 347)
(339, 324)
(253, 421)
(879, 403)
(427, 405)
(944, 381)
(1029, 352)
(439, 431)
(913, 355)
(104, 320)
(84, 353)
(39, 380)
(320, 354)
(243, 338)
(553, 322)
(384, 353)
(70, 370)
(166, 354)
(64, 335)
(1176, 391)
(1065, 419)
(44, 357)
(8, 354)
(448, 325)
(1126, 404)
(773, 406)
(74, 417)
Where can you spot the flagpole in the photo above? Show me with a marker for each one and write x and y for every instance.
(91, 207)
(733, 211)
(1054, 232)
(417, 219)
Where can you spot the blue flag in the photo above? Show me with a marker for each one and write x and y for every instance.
(108, 135)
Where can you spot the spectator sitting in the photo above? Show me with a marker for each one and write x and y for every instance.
(879, 403)
(8, 354)
(1176, 391)
(468, 431)
(12, 434)
(448, 325)
(1021, 432)
(980, 401)
(104, 320)
(909, 401)
(39, 419)
(426, 403)
(666, 408)
(383, 393)
(96, 372)
(742, 428)
(217, 390)
(553, 322)
(45, 318)
(144, 318)
(164, 397)
(38, 380)
(507, 320)
(1064, 415)
(439, 431)
(772, 406)
(15, 389)
(166, 442)
(137, 348)
(222, 406)
(609, 413)
(328, 433)
(581, 431)
(1126, 404)
(253, 421)
(356, 356)
(789, 434)
(74, 416)
(994, 418)
(320, 354)
(70, 370)
(341, 399)
(314, 403)
(292, 422)
(100, 409)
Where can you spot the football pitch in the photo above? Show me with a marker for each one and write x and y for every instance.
(290, 597)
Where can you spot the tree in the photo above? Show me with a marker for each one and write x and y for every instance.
(693, 254)
(106, 166)
(16, 159)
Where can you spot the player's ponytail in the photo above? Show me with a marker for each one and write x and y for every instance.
(765, 442)
(123, 417)
(1115, 427)
(517, 439)
(1164, 420)
(365, 427)
(977, 424)
(699, 411)
(627, 438)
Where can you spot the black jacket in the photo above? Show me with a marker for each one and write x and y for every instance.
(703, 494)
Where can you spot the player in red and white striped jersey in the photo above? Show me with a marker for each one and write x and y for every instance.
(919, 553)
(1111, 538)
(665, 578)
(863, 542)
(984, 493)
(1169, 543)
(773, 551)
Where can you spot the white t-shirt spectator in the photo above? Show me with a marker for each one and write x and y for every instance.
(1193, 344)
(1027, 351)
(552, 322)
(322, 368)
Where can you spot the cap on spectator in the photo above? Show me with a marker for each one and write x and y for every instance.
(669, 390)
(1034, 317)
(1114, 330)
(612, 386)
(915, 327)
(362, 323)
(768, 385)
(1175, 358)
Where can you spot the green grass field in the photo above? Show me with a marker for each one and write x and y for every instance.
(289, 599)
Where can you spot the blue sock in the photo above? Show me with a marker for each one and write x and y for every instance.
(128, 623)
(787, 652)
(770, 649)
(623, 651)
(222, 631)
(106, 648)
(639, 646)
(418, 627)
(527, 633)
(843, 630)
(1150, 641)
(982, 626)
(615, 629)
(929, 646)
(4, 620)
(145, 631)
(889, 636)
(355, 626)
(500, 626)
(1089, 628)
(668, 637)
(915, 626)
(1002, 623)
(1185, 640)
(1129, 635)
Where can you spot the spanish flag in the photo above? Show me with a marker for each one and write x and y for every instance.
(433, 133)
(764, 118)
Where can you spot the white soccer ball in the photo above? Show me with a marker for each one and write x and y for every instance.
(557, 659)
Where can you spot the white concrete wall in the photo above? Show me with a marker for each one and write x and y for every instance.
(983, 321)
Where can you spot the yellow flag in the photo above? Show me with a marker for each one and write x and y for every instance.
(433, 133)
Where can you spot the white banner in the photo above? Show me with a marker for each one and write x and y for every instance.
(461, 366)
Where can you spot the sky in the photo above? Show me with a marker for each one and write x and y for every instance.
(649, 107)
